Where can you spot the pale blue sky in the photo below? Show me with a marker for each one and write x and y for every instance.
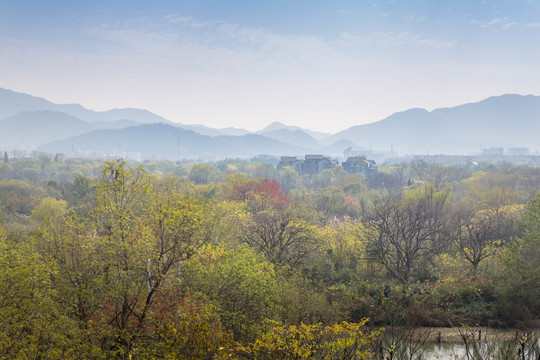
(325, 65)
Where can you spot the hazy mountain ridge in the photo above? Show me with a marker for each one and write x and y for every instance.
(27, 129)
(276, 125)
(296, 137)
(12, 103)
(167, 142)
(505, 121)
(205, 130)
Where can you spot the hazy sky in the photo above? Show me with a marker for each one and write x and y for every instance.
(322, 64)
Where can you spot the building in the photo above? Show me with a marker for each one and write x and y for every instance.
(310, 165)
(493, 151)
(292, 161)
(359, 164)
(518, 151)
(315, 164)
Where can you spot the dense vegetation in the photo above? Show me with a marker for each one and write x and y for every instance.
(239, 260)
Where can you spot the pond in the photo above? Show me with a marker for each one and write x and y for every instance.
(459, 344)
(492, 351)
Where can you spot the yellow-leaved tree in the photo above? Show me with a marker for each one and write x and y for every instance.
(114, 264)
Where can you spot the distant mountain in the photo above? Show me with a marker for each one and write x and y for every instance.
(293, 137)
(507, 120)
(28, 129)
(504, 121)
(201, 129)
(12, 102)
(338, 148)
(317, 135)
(234, 131)
(116, 124)
(276, 125)
(167, 142)
(205, 130)
(252, 144)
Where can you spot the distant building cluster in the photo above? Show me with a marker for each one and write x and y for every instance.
(513, 151)
(315, 164)
(492, 155)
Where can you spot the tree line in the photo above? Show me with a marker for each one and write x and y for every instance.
(240, 260)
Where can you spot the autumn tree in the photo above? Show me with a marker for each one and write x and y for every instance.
(262, 192)
(115, 263)
(350, 341)
(270, 224)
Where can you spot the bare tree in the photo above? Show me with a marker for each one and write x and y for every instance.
(440, 175)
(277, 232)
(389, 181)
(480, 231)
(406, 232)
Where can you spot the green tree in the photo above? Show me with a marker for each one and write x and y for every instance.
(288, 178)
(32, 324)
(239, 283)
(80, 192)
(202, 173)
(19, 196)
(48, 209)
(518, 279)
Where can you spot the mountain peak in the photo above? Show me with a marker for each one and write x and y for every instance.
(12, 102)
(276, 125)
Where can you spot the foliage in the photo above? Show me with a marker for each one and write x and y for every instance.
(18, 196)
(33, 325)
(202, 173)
(167, 260)
(253, 190)
(239, 284)
(189, 330)
(114, 264)
(48, 209)
(339, 341)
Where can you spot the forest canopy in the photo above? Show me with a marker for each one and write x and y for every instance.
(239, 259)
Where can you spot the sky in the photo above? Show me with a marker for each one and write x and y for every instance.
(325, 65)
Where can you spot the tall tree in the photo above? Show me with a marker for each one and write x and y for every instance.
(272, 226)
(406, 232)
(116, 262)
(481, 231)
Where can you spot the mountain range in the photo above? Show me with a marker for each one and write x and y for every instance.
(33, 123)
